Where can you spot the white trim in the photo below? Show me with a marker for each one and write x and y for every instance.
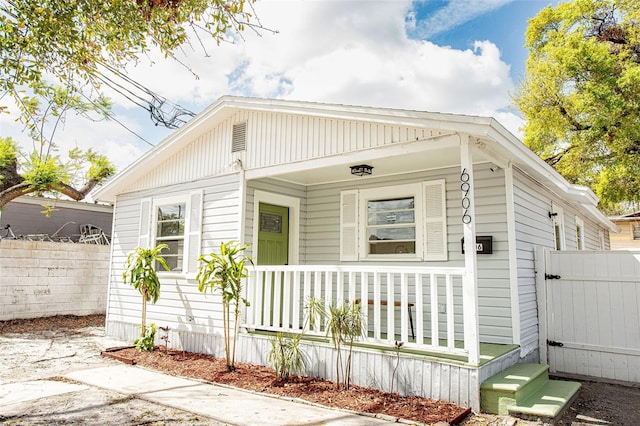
(293, 204)
(557, 221)
(363, 155)
(603, 244)
(397, 191)
(167, 201)
(579, 227)
(242, 217)
(470, 279)
(513, 255)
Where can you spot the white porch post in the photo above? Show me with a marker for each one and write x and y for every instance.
(470, 279)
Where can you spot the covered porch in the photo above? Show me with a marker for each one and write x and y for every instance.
(426, 300)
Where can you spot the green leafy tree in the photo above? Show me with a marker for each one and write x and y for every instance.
(55, 57)
(224, 272)
(140, 272)
(44, 173)
(580, 95)
(53, 54)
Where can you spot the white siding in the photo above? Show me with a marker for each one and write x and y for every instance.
(535, 228)
(323, 237)
(272, 139)
(181, 305)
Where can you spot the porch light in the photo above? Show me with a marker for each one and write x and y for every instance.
(361, 170)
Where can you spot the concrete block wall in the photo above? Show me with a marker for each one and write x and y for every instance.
(40, 279)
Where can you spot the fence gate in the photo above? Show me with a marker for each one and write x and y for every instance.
(589, 309)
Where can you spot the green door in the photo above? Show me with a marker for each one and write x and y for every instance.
(273, 235)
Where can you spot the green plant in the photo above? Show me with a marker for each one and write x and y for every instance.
(344, 325)
(285, 355)
(146, 342)
(397, 346)
(224, 272)
(141, 274)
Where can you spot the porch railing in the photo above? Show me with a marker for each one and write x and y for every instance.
(422, 307)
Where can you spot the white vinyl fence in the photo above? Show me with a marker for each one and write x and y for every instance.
(592, 313)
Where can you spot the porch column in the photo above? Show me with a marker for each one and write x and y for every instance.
(470, 279)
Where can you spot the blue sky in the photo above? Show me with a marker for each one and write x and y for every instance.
(504, 25)
(456, 56)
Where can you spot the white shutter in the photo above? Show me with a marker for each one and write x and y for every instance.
(145, 223)
(349, 225)
(194, 235)
(435, 222)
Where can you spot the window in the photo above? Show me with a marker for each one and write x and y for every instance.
(170, 221)
(636, 232)
(391, 226)
(557, 215)
(396, 222)
(174, 221)
(579, 234)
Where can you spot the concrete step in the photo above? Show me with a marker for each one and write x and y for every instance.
(548, 402)
(511, 386)
(524, 390)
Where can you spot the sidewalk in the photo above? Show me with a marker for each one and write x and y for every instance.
(61, 379)
(224, 404)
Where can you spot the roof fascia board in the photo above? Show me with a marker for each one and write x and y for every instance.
(158, 153)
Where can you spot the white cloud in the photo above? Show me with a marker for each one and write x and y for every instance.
(455, 13)
(351, 52)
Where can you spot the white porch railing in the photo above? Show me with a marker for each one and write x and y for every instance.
(422, 307)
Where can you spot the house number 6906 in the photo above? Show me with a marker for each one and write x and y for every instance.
(465, 187)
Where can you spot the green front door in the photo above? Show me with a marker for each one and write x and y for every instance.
(273, 235)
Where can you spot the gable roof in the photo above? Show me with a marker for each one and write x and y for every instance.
(497, 142)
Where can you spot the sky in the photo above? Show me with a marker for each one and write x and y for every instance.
(455, 56)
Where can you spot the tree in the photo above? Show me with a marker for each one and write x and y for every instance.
(581, 91)
(140, 272)
(56, 55)
(224, 272)
(43, 172)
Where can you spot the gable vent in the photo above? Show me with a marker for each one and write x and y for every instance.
(239, 141)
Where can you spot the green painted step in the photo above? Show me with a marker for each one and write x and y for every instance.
(525, 390)
(511, 386)
(548, 401)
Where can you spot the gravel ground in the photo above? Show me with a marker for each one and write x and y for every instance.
(49, 347)
(46, 349)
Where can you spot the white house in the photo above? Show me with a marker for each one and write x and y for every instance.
(353, 203)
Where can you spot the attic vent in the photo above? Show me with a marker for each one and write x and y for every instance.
(239, 142)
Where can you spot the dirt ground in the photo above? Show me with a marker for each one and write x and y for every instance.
(47, 348)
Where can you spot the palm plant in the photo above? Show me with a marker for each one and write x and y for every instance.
(344, 325)
(225, 271)
(285, 355)
(139, 271)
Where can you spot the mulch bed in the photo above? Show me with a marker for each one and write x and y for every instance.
(262, 379)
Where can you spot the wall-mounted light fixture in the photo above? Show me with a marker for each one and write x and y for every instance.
(552, 215)
(361, 169)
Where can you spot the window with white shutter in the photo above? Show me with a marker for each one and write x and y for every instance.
(403, 222)
(176, 222)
